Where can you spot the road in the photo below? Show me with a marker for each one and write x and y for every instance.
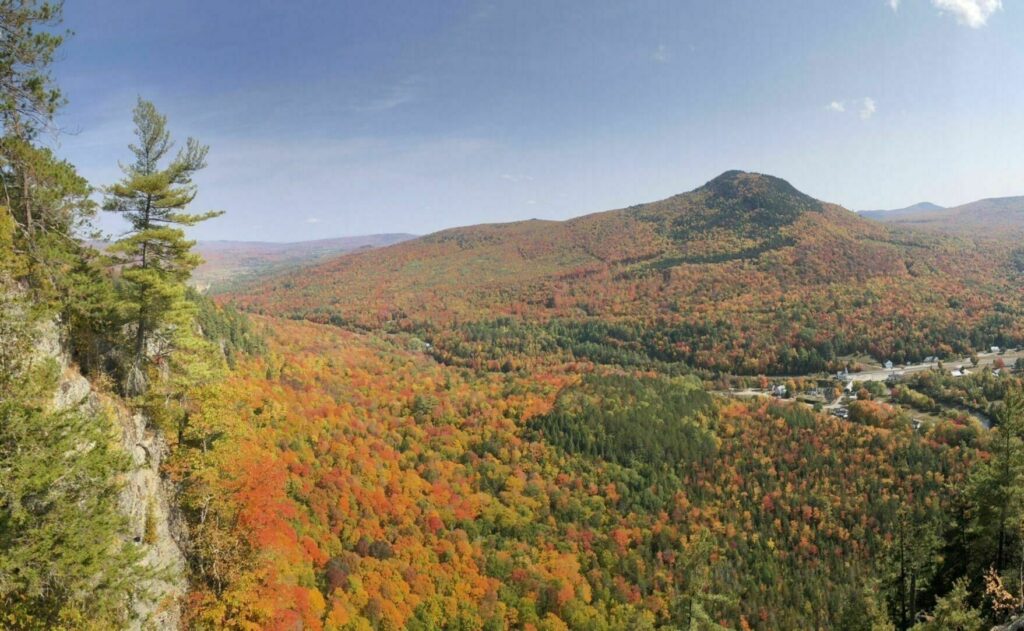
(984, 359)
(879, 373)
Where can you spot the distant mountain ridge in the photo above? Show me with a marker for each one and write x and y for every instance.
(352, 242)
(745, 273)
(920, 207)
(225, 262)
(996, 217)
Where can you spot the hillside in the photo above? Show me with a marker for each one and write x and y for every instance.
(744, 274)
(994, 218)
(361, 485)
(227, 261)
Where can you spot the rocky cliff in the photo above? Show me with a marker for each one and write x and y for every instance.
(144, 497)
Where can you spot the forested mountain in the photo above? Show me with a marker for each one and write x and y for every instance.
(744, 274)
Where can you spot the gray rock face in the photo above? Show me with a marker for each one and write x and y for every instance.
(154, 525)
(1016, 625)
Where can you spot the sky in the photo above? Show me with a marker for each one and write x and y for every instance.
(348, 117)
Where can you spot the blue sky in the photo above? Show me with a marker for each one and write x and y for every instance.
(331, 118)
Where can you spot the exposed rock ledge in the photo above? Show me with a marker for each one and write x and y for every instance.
(1016, 625)
(144, 497)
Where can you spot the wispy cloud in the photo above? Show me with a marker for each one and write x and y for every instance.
(402, 92)
(867, 108)
(661, 54)
(312, 220)
(972, 13)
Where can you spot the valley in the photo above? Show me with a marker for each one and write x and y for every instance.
(737, 407)
(591, 329)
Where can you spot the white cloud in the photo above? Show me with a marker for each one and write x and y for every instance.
(661, 54)
(894, 5)
(865, 107)
(312, 220)
(868, 108)
(972, 13)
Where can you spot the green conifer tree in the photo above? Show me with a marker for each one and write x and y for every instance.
(997, 488)
(43, 194)
(953, 613)
(28, 99)
(155, 257)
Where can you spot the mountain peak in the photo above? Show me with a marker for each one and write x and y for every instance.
(753, 186)
(765, 200)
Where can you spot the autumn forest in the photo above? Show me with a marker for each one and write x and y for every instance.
(739, 407)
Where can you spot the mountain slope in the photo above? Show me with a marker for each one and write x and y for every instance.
(743, 274)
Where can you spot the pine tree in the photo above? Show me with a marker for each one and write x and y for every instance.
(997, 488)
(155, 257)
(44, 195)
(65, 559)
(28, 97)
(17, 321)
(41, 192)
(696, 597)
(953, 613)
(911, 561)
